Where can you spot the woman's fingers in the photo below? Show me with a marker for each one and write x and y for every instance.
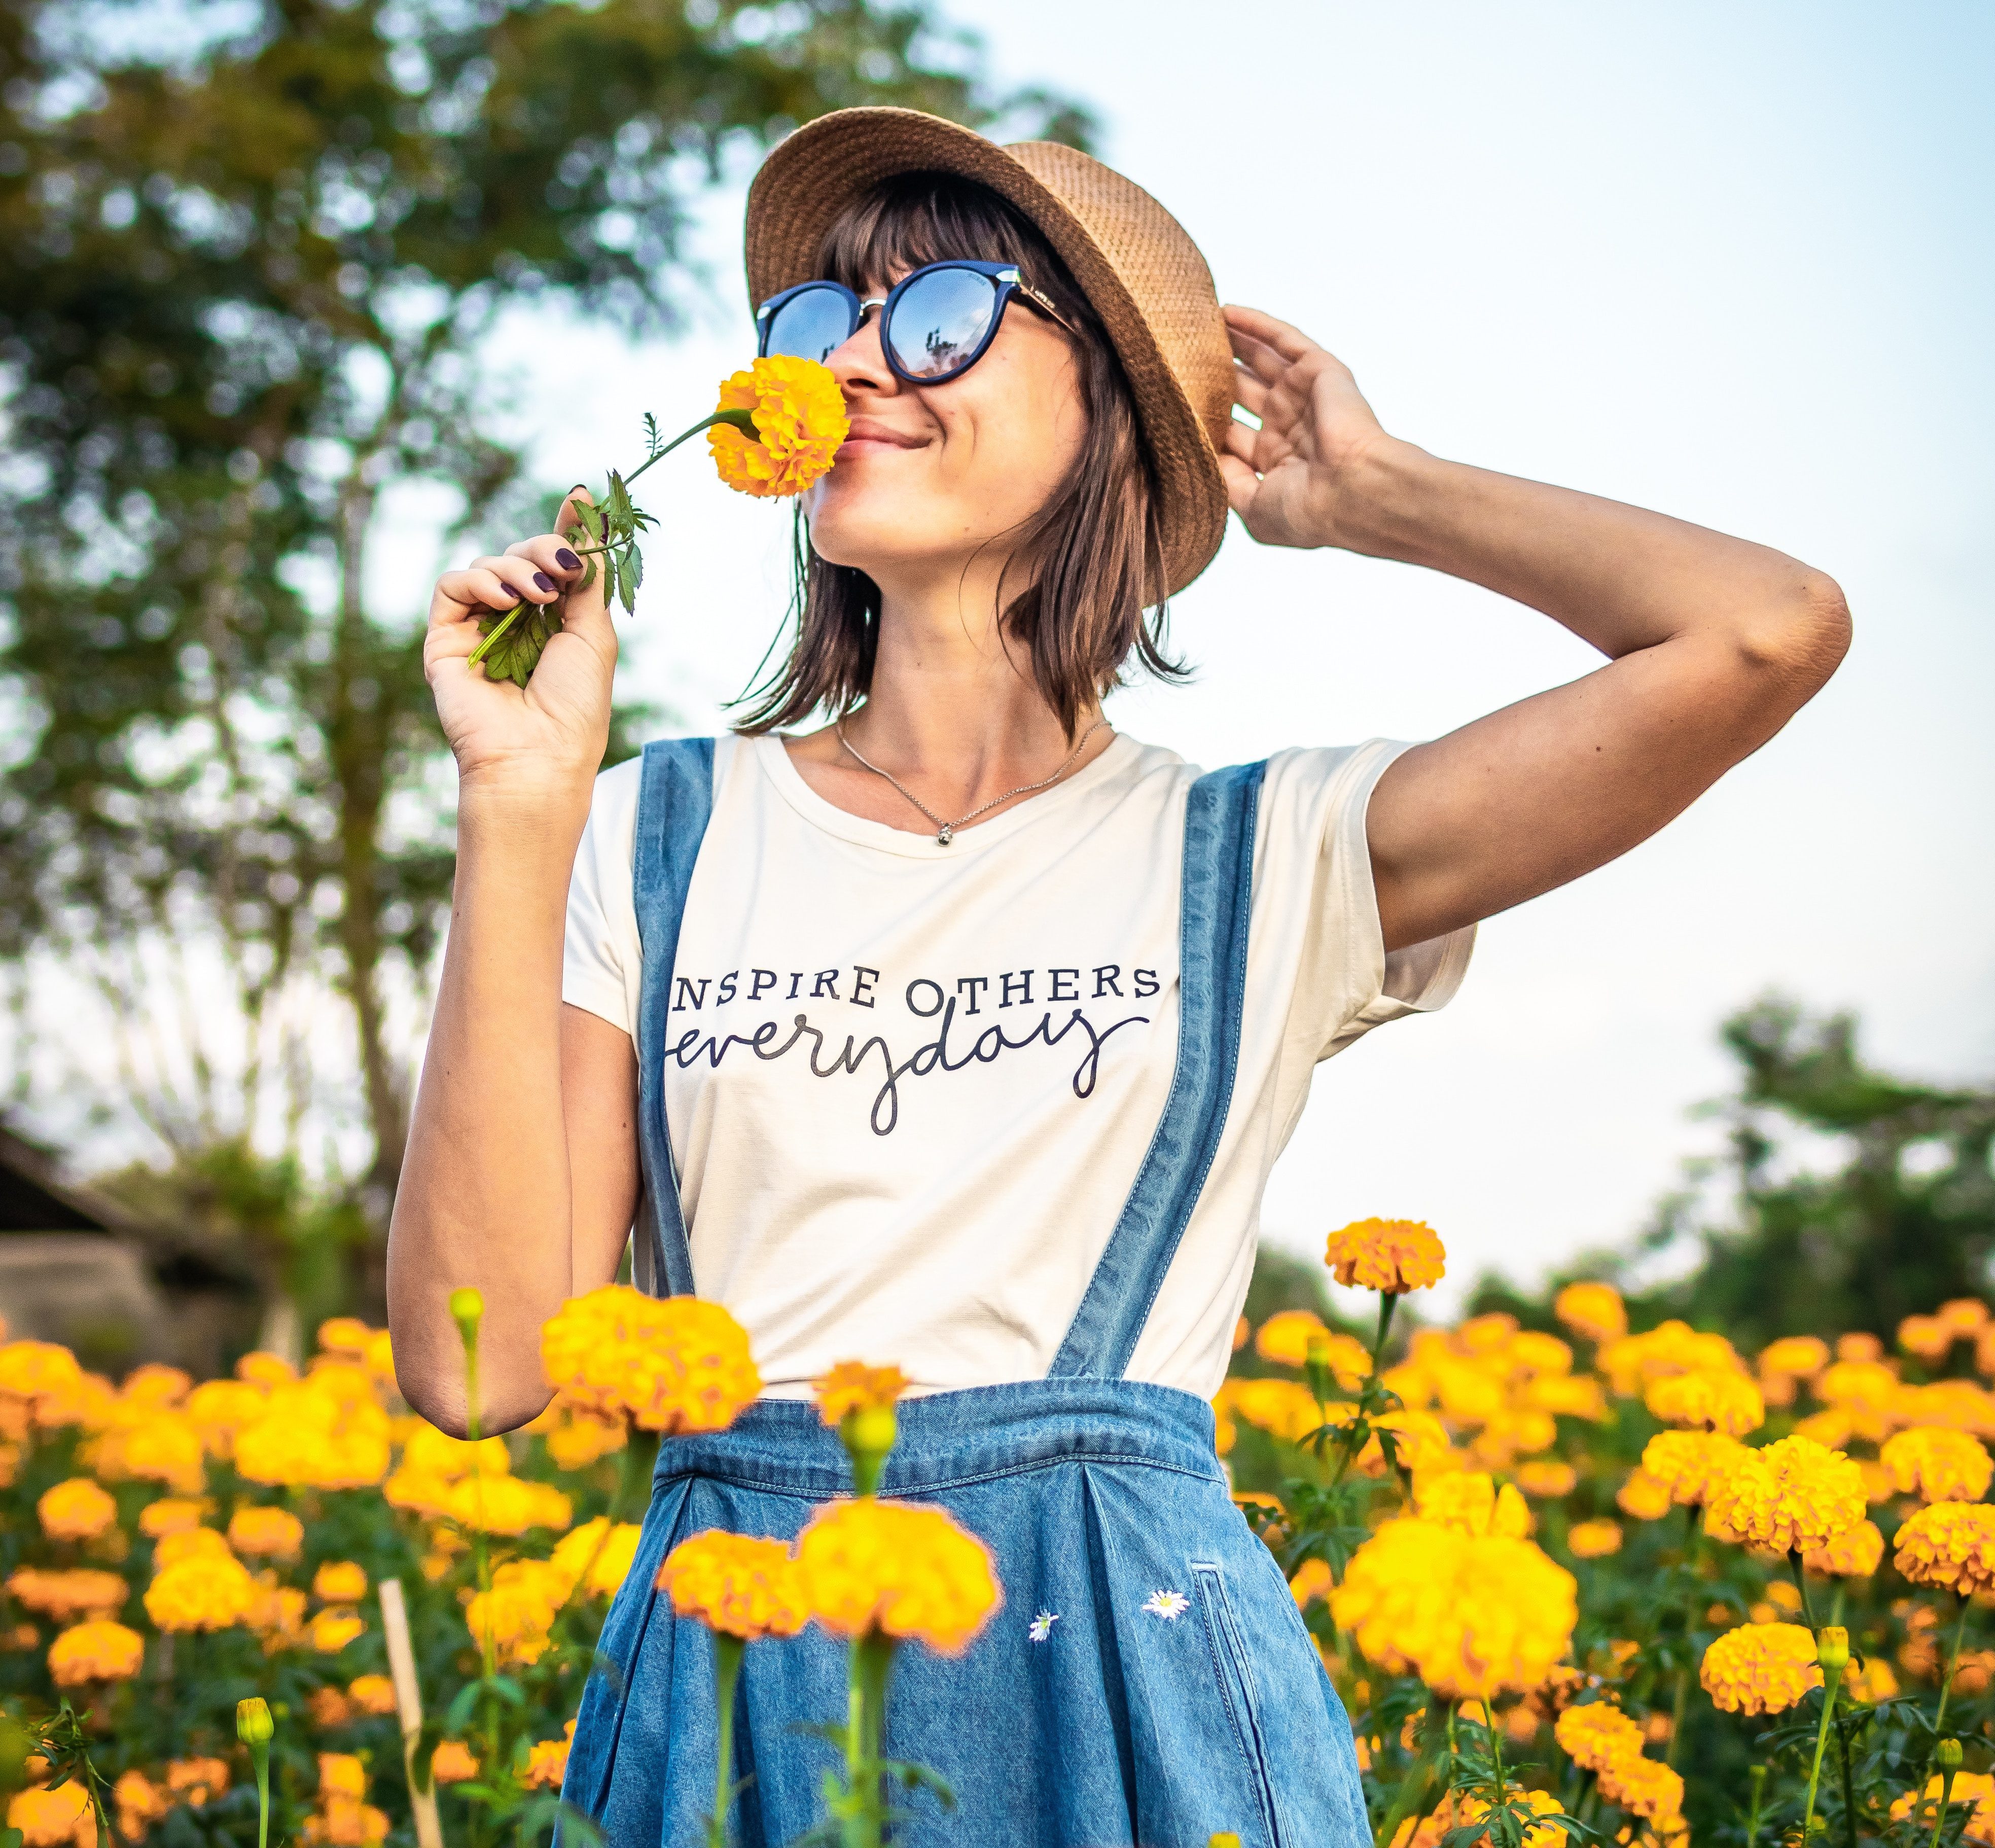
(552, 555)
(1249, 392)
(1290, 342)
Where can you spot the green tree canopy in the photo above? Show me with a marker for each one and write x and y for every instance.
(253, 246)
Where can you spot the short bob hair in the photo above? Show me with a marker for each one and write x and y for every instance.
(1089, 556)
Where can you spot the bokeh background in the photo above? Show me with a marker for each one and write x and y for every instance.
(1735, 262)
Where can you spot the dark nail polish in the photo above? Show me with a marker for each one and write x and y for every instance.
(566, 559)
(543, 581)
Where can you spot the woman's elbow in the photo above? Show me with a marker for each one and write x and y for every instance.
(1792, 644)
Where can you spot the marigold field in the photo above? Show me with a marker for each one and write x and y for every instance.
(1595, 1586)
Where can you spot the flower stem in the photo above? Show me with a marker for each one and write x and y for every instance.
(1945, 1796)
(1757, 1778)
(1829, 1688)
(872, 1660)
(1676, 1717)
(1952, 1664)
(741, 419)
(1801, 1585)
(1849, 1783)
(726, 1671)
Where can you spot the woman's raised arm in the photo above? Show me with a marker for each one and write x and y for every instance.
(522, 1149)
(1715, 642)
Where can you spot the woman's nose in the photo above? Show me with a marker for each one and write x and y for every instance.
(860, 364)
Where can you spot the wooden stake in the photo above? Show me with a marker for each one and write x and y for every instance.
(409, 1703)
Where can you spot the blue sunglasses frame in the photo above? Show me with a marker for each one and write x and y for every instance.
(1005, 282)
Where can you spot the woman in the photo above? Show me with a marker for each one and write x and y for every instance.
(961, 1032)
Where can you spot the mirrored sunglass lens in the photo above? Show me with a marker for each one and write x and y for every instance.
(811, 326)
(939, 321)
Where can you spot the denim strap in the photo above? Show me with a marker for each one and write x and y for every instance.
(674, 800)
(1212, 986)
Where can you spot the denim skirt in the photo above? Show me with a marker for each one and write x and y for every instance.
(1146, 1682)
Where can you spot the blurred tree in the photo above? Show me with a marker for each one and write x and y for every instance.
(1857, 1198)
(252, 246)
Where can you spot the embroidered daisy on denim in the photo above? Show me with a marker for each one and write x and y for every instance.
(1172, 1604)
(1042, 1626)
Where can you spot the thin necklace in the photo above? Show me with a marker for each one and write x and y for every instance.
(946, 830)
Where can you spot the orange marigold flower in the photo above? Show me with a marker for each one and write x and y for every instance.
(852, 1386)
(453, 1762)
(28, 1369)
(1593, 1309)
(141, 1803)
(1283, 1408)
(799, 414)
(1941, 1466)
(340, 1581)
(171, 1515)
(65, 1594)
(1977, 1787)
(344, 1334)
(1313, 1579)
(1644, 1496)
(1644, 1787)
(1547, 1482)
(897, 1567)
(334, 1628)
(95, 1652)
(193, 1781)
(1721, 1400)
(1760, 1667)
(1392, 1256)
(546, 1761)
(341, 1775)
(1951, 1546)
(1691, 1464)
(1597, 1735)
(1852, 1553)
(76, 1510)
(53, 1818)
(1965, 1315)
(1871, 1681)
(736, 1584)
(678, 1364)
(516, 1616)
(1798, 1356)
(267, 1533)
(581, 1438)
(1789, 1497)
(1594, 1539)
(1927, 1337)
(371, 1693)
(604, 1553)
(201, 1593)
(1289, 1338)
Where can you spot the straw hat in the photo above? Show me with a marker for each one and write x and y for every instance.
(1143, 275)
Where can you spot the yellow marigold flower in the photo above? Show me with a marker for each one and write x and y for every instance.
(1977, 1787)
(76, 1510)
(737, 1584)
(1644, 1788)
(1470, 1500)
(435, 1453)
(344, 1334)
(800, 420)
(315, 1434)
(1692, 1464)
(1872, 1680)
(371, 1693)
(277, 1615)
(53, 1818)
(28, 1369)
(680, 1364)
(269, 1371)
(1597, 1735)
(506, 1505)
(1965, 1315)
(1726, 1401)
(267, 1533)
(1569, 1396)
(1862, 1391)
(141, 1803)
(1951, 1546)
(1284, 1408)
(170, 1515)
(1852, 1553)
(1798, 1356)
(1225, 1430)
(453, 1762)
(897, 1567)
(341, 1775)
(1392, 1256)
(190, 1543)
(1593, 1309)
(1547, 1482)
(603, 1552)
(1927, 1337)
(334, 1628)
(517, 1615)
(1644, 1496)
(546, 1762)
(1289, 1337)
(581, 1438)
(202, 1593)
(95, 1652)
(1941, 1466)
(1789, 1497)
(218, 1409)
(65, 1594)
(1594, 1539)
(1957, 1404)
(165, 1448)
(1470, 1615)
(1313, 1579)
(852, 1386)
(1760, 1667)
(340, 1581)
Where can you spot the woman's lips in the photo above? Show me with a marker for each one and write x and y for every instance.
(869, 439)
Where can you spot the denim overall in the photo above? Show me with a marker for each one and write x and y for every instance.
(1122, 1726)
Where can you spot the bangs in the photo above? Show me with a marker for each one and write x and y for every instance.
(914, 219)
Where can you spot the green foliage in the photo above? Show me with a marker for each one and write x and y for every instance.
(252, 252)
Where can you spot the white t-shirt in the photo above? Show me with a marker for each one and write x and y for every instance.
(964, 1050)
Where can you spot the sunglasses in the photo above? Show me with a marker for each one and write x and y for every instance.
(935, 323)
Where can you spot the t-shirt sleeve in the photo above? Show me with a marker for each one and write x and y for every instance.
(1314, 862)
(602, 961)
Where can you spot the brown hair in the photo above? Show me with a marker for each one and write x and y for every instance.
(1094, 551)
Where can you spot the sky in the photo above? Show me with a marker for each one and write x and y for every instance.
(1735, 263)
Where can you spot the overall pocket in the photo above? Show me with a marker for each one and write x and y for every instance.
(1233, 1668)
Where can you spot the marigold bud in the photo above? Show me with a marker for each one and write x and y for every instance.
(1832, 1649)
(254, 1726)
(467, 1310)
(1947, 1755)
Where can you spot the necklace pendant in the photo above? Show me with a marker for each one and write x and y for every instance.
(945, 836)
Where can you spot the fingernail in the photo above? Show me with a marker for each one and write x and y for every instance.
(541, 578)
(566, 559)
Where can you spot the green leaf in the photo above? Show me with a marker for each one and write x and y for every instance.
(626, 581)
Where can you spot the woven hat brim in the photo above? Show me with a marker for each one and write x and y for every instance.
(814, 174)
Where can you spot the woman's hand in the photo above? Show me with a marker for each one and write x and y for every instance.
(555, 728)
(1286, 479)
